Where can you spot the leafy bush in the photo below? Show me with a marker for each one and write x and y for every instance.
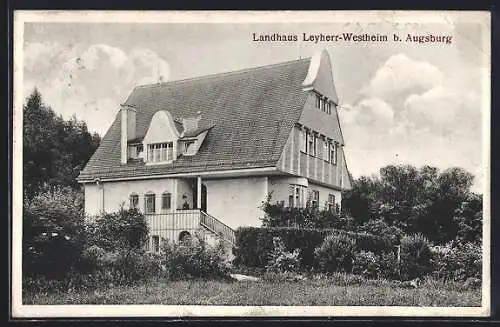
(281, 260)
(336, 253)
(278, 215)
(196, 260)
(253, 244)
(380, 228)
(389, 265)
(415, 256)
(118, 231)
(366, 264)
(457, 261)
(53, 225)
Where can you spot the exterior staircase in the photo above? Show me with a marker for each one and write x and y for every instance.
(171, 225)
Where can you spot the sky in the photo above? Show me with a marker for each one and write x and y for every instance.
(400, 102)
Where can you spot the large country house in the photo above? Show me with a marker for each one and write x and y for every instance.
(202, 154)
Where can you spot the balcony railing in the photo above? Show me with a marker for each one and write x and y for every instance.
(217, 227)
(170, 225)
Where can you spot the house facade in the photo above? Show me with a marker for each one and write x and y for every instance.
(202, 154)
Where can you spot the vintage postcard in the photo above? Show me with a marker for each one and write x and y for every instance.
(228, 164)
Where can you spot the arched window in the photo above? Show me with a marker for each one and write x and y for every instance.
(149, 203)
(134, 201)
(166, 200)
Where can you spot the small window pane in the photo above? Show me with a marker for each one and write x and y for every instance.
(134, 201)
(149, 203)
(166, 201)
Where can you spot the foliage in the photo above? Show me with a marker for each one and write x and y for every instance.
(278, 215)
(436, 204)
(53, 239)
(281, 260)
(380, 228)
(196, 260)
(415, 256)
(336, 253)
(457, 261)
(254, 244)
(54, 150)
(366, 264)
(118, 267)
(123, 230)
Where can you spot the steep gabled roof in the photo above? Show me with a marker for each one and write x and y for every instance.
(251, 113)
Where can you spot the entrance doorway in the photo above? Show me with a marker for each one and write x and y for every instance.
(203, 197)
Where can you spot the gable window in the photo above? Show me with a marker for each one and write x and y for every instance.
(166, 200)
(333, 153)
(134, 201)
(303, 140)
(331, 202)
(328, 107)
(325, 150)
(159, 152)
(187, 145)
(149, 203)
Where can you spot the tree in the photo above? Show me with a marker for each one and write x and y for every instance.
(436, 204)
(54, 150)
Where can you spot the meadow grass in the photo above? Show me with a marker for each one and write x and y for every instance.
(305, 292)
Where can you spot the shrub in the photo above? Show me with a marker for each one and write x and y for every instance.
(196, 260)
(53, 226)
(277, 215)
(366, 264)
(389, 265)
(253, 244)
(415, 256)
(118, 231)
(281, 260)
(336, 253)
(380, 228)
(457, 261)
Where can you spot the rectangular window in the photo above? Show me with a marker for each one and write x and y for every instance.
(166, 201)
(310, 143)
(297, 196)
(318, 101)
(303, 140)
(315, 198)
(291, 202)
(328, 108)
(156, 243)
(160, 152)
(331, 202)
(325, 150)
(313, 144)
(149, 203)
(333, 153)
(134, 201)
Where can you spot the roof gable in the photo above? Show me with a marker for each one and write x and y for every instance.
(249, 114)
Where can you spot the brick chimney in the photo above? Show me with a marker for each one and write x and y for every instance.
(128, 132)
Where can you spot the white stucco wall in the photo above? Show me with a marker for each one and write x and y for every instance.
(116, 193)
(280, 188)
(323, 195)
(236, 201)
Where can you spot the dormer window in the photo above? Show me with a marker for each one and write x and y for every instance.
(161, 152)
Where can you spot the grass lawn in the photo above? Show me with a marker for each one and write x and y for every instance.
(307, 292)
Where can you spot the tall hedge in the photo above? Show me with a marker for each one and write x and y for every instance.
(254, 244)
